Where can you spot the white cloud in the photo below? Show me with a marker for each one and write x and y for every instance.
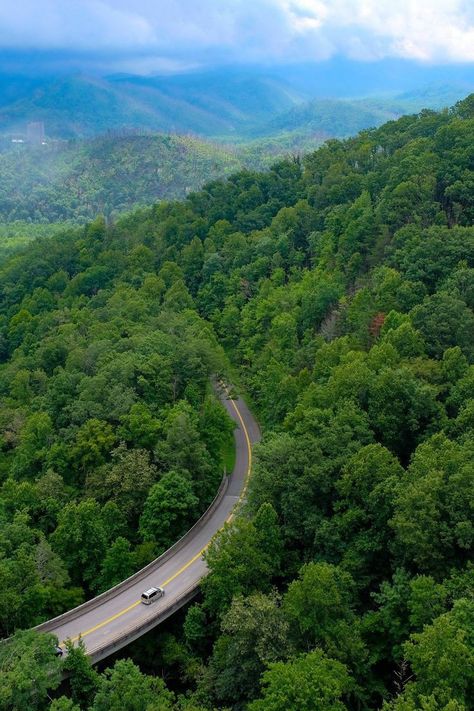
(430, 30)
(427, 30)
(72, 24)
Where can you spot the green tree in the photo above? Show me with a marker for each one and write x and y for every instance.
(126, 481)
(445, 321)
(312, 682)
(125, 688)
(254, 633)
(140, 427)
(80, 539)
(432, 521)
(94, 441)
(35, 438)
(319, 607)
(358, 534)
(29, 669)
(242, 558)
(168, 510)
(84, 680)
(63, 704)
(442, 655)
(119, 563)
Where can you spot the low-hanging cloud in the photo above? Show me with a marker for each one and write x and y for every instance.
(180, 32)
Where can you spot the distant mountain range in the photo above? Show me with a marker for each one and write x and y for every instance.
(204, 104)
(228, 104)
(118, 142)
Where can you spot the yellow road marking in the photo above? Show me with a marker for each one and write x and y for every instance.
(249, 456)
(106, 622)
(198, 555)
(138, 602)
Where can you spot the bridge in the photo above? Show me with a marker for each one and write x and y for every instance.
(116, 617)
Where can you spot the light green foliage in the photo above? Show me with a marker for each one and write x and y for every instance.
(125, 688)
(35, 439)
(16, 235)
(80, 538)
(243, 557)
(215, 427)
(139, 426)
(255, 632)
(63, 704)
(126, 480)
(194, 626)
(408, 701)
(319, 607)
(105, 174)
(433, 512)
(119, 563)
(21, 592)
(28, 670)
(94, 441)
(445, 321)
(358, 530)
(442, 655)
(312, 682)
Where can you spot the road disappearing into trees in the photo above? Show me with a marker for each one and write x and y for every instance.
(115, 618)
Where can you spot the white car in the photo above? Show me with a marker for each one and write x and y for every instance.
(151, 595)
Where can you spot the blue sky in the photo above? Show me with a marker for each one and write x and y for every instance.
(167, 35)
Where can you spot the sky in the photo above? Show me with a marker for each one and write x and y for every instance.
(145, 36)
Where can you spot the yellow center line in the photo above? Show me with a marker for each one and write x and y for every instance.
(105, 622)
(198, 555)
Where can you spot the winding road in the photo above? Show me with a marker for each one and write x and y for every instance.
(117, 617)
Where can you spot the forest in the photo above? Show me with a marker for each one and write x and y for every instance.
(337, 292)
(120, 169)
(110, 174)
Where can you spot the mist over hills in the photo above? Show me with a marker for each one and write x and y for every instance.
(341, 118)
(81, 106)
(124, 140)
(74, 181)
(230, 102)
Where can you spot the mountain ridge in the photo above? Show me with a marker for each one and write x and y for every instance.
(229, 105)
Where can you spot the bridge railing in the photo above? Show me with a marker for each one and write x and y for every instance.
(95, 602)
(129, 634)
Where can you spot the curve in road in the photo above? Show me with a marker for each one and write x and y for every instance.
(117, 617)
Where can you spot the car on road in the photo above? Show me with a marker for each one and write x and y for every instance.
(151, 595)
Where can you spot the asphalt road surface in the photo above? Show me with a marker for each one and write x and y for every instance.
(118, 617)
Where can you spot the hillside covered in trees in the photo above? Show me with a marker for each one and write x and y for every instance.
(192, 129)
(232, 100)
(339, 291)
(76, 180)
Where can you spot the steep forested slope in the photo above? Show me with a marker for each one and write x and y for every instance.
(342, 288)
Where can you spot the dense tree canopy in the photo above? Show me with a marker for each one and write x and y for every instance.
(340, 290)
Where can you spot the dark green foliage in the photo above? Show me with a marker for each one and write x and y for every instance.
(84, 680)
(341, 288)
(168, 510)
